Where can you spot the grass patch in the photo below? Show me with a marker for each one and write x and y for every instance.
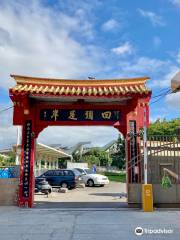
(116, 177)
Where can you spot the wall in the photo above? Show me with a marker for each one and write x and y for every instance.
(76, 165)
(160, 195)
(163, 152)
(9, 191)
(156, 165)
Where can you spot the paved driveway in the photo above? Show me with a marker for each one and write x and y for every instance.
(112, 195)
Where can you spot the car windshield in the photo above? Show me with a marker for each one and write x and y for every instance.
(76, 172)
(80, 170)
(89, 171)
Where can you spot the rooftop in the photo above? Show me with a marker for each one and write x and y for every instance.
(70, 87)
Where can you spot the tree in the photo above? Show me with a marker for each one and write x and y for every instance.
(98, 157)
(1, 161)
(164, 127)
(76, 157)
(118, 158)
(9, 161)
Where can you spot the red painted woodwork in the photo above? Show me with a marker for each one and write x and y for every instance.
(28, 108)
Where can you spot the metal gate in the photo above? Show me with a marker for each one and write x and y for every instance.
(134, 155)
(163, 152)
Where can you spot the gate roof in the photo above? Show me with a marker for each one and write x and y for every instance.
(66, 87)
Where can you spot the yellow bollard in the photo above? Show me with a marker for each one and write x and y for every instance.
(147, 197)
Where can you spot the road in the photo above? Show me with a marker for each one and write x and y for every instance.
(85, 224)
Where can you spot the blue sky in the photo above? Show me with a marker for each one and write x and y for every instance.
(102, 38)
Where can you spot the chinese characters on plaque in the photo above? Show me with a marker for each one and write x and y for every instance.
(27, 156)
(78, 115)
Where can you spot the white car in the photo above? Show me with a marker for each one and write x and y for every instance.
(90, 178)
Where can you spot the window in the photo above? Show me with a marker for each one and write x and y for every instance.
(48, 173)
(80, 170)
(60, 173)
(89, 171)
(54, 173)
(76, 172)
(68, 173)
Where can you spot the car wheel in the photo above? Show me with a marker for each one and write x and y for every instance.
(90, 183)
(64, 185)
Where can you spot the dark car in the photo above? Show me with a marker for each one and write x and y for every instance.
(42, 186)
(60, 178)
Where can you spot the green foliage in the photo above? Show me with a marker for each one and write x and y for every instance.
(7, 161)
(76, 157)
(116, 177)
(98, 157)
(164, 127)
(118, 158)
(1, 161)
(166, 182)
(102, 158)
(62, 163)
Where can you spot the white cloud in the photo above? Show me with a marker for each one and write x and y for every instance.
(157, 41)
(41, 41)
(165, 79)
(142, 65)
(178, 57)
(7, 130)
(155, 19)
(175, 2)
(124, 49)
(173, 101)
(110, 25)
(69, 136)
(160, 71)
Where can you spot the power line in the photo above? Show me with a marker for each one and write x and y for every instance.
(167, 93)
(5, 109)
(164, 89)
(162, 93)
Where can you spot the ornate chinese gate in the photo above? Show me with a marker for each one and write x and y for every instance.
(42, 102)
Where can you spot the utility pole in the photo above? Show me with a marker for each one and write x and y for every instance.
(145, 148)
(147, 192)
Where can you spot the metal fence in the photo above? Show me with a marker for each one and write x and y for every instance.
(10, 172)
(163, 152)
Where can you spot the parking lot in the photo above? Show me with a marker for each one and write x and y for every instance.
(111, 195)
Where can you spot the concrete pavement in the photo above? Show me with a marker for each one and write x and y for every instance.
(112, 195)
(82, 224)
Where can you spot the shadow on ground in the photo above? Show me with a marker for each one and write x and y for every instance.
(120, 195)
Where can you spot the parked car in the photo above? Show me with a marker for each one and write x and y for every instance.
(61, 178)
(41, 185)
(91, 179)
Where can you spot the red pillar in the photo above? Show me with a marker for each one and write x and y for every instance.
(26, 189)
(133, 138)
